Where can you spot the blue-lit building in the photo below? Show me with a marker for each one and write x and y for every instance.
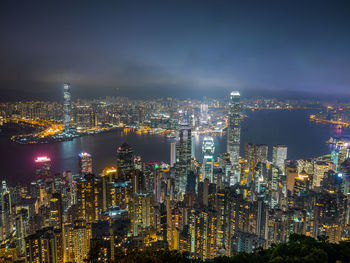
(208, 159)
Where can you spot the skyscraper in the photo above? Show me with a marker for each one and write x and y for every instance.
(255, 153)
(89, 195)
(41, 246)
(125, 161)
(56, 211)
(204, 114)
(279, 155)
(183, 157)
(172, 153)
(42, 167)
(20, 233)
(85, 163)
(208, 159)
(193, 146)
(6, 209)
(234, 127)
(67, 106)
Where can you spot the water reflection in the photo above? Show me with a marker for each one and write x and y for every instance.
(292, 128)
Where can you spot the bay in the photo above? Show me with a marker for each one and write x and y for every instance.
(303, 138)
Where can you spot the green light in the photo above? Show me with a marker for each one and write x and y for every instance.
(156, 166)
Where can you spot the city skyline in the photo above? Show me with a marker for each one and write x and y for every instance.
(224, 203)
(175, 131)
(183, 49)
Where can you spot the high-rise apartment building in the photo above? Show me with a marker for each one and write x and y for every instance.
(56, 211)
(89, 198)
(44, 246)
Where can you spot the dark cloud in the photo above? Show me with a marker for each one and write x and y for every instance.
(174, 48)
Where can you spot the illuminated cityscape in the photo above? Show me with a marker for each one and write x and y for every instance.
(218, 206)
(175, 131)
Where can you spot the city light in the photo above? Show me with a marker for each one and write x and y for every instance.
(110, 170)
(42, 159)
(84, 154)
(162, 131)
(197, 190)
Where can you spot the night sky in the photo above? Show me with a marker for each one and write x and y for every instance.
(174, 48)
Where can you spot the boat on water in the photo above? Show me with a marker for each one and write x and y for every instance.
(336, 140)
(170, 136)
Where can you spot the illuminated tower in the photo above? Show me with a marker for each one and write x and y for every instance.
(6, 209)
(183, 158)
(172, 153)
(255, 153)
(279, 155)
(20, 234)
(56, 211)
(208, 159)
(89, 195)
(125, 161)
(42, 167)
(5, 199)
(85, 163)
(142, 212)
(67, 106)
(41, 246)
(109, 175)
(320, 168)
(81, 236)
(301, 183)
(204, 114)
(234, 127)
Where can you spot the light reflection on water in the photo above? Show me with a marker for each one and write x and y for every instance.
(292, 128)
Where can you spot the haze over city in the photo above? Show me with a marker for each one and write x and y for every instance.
(149, 49)
(174, 131)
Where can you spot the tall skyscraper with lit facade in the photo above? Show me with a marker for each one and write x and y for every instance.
(56, 211)
(208, 158)
(234, 127)
(255, 153)
(125, 161)
(6, 210)
(89, 195)
(67, 106)
(183, 157)
(85, 163)
(279, 155)
(204, 114)
(172, 153)
(42, 167)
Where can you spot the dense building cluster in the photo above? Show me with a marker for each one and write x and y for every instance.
(334, 114)
(217, 206)
(161, 113)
